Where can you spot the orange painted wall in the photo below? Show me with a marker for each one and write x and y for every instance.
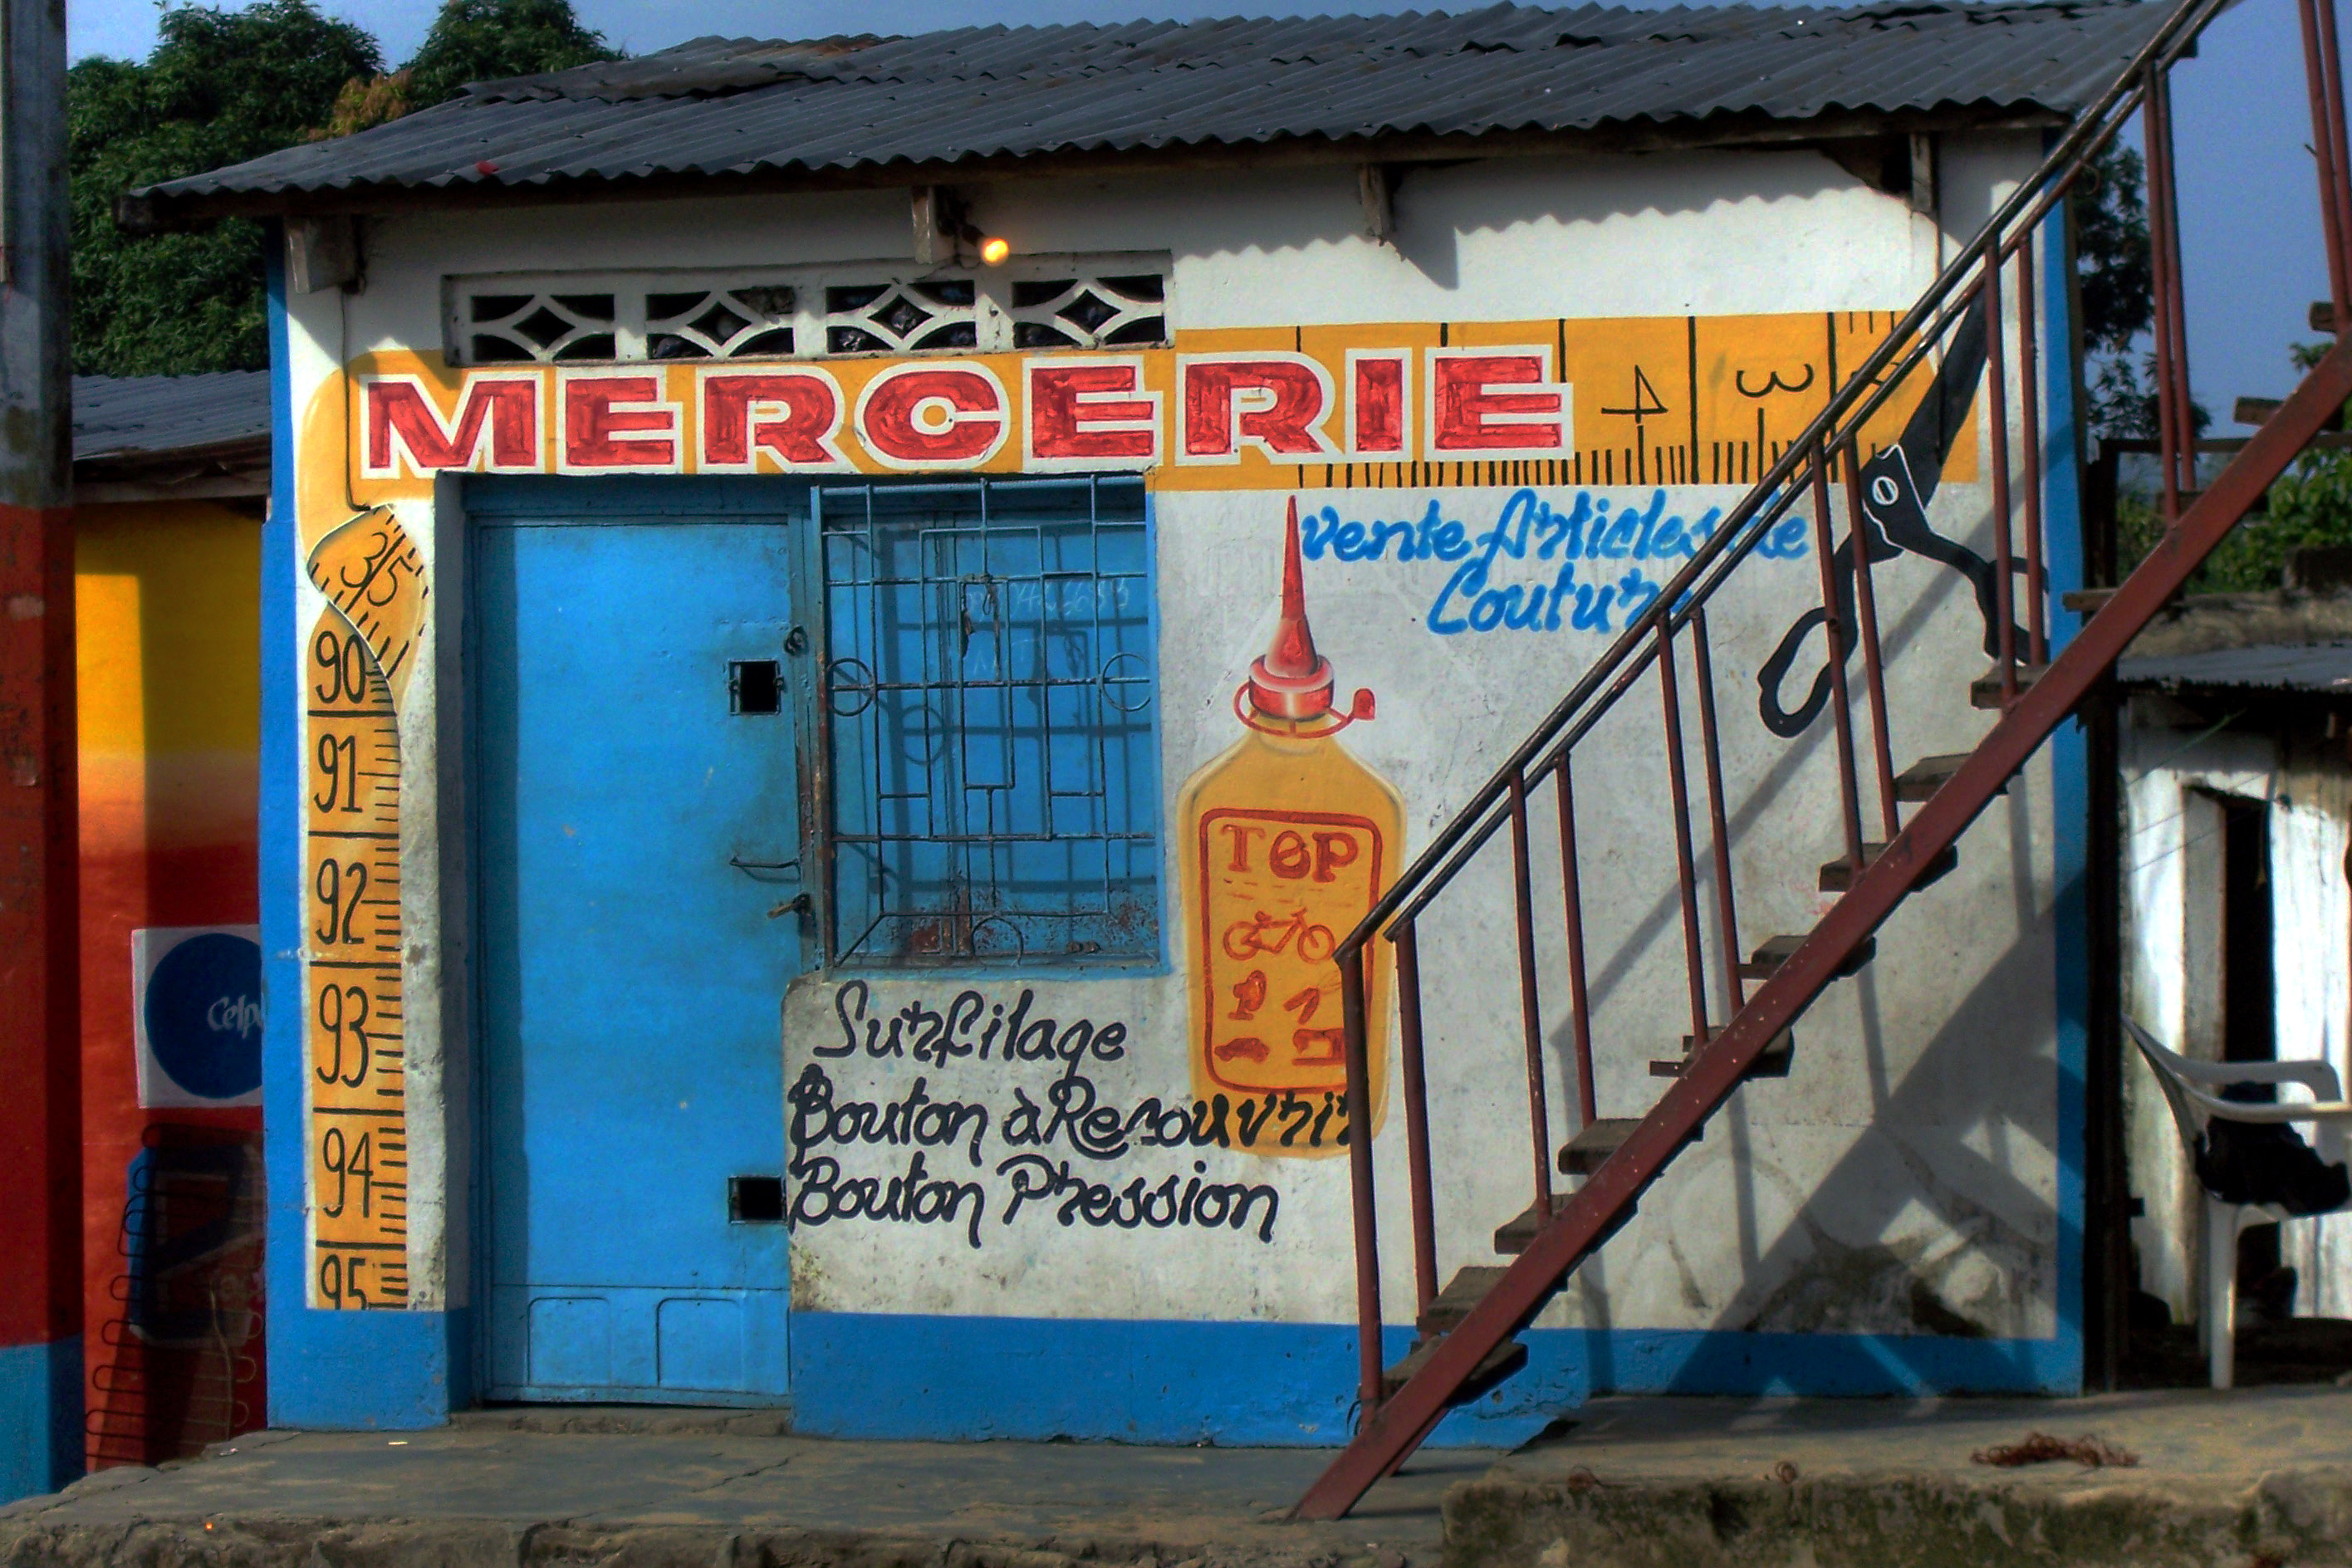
(168, 596)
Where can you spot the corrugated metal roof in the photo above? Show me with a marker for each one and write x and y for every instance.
(2302, 667)
(154, 415)
(720, 107)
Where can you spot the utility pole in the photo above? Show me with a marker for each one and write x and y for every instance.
(40, 1011)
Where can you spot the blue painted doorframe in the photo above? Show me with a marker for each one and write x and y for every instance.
(637, 841)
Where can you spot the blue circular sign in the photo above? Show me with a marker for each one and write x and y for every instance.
(204, 1015)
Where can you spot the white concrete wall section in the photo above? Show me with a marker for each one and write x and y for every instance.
(1510, 239)
(1904, 1181)
(2310, 832)
(2173, 978)
(1901, 1181)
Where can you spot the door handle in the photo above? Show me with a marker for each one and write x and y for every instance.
(752, 869)
(799, 903)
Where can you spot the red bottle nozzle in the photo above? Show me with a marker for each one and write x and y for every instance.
(1292, 682)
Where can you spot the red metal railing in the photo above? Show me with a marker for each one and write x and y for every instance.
(1991, 290)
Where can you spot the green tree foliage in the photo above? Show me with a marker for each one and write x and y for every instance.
(482, 40)
(2111, 245)
(364, 105)
(2118, 296)
(220, 87)
(2309, 506)
(223, 86)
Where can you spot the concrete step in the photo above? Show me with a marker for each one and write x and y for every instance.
(631, 1420)
(1468, 1287)
(1839, 875)
(1498, 1365)
(1766, 959)
(1984, 692)
(1584, 1154)
(1778, 1055)
(1511, 1238)
(1923, 778)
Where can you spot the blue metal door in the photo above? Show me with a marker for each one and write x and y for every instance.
(637, 841)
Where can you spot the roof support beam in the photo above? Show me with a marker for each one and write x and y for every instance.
(1923, 172)
(934, 236)
(1375, 185)
(324, 252)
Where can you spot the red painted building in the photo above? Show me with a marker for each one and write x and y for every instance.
(170, 476)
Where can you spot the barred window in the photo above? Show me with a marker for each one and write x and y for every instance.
(988, 706)
(1090, 312)
(836, 311)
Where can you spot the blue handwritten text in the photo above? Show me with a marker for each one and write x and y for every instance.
(1580, 596)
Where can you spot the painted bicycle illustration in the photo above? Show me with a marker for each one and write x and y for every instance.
(1264, 934)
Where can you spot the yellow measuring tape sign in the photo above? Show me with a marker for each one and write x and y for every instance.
(356, 669)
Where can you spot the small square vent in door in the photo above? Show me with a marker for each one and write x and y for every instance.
(755, 1200)
(755, 686)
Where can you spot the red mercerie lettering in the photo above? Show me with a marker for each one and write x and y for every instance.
(1273, 402)
(502, 413)
(793, 413)
(618, 422)
(1376, 404)
(1091, 412)
(933, 416)
(1468, 414)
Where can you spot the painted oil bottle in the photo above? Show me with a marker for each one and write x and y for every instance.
(1287, 842)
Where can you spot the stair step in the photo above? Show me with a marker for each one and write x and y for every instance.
(1498, 1365)
(1778, 1055)
(1984, 692)
(1766, 959)
(1468, 1287)
(1839, 875)
(1923, 778)
(1512, 1236)
(1584, 1154)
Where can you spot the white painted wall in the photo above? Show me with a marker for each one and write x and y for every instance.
(2172, 882)
(1903, 1179)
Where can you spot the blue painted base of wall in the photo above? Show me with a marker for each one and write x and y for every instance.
(394, 1371)
(859, 1374)
(40, 1417)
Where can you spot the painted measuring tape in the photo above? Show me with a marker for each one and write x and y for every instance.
(357, 669)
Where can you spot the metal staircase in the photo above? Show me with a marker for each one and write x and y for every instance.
(1974, 324)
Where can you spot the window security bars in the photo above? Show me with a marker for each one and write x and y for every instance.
(505, 328)
(749, 323)
(1090, 312)
(987, 697)
(901, 318)
(1037, 302)
(546, 327)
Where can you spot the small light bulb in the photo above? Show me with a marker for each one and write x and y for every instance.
(994, 249)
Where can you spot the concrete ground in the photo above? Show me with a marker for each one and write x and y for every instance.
(2261, 1477)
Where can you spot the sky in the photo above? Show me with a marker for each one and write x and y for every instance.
(2250, 230)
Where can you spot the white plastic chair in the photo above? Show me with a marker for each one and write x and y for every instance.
(2186, 1084)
